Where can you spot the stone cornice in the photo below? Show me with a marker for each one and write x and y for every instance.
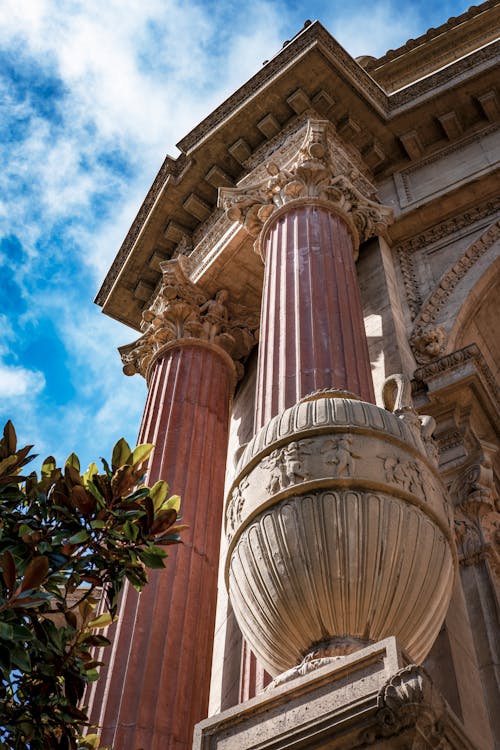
(457, 359)
(350, 95)
(182, 311)
(435, 47)
(313, 173)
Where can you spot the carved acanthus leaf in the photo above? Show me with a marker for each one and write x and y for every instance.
(409, 700)
(313, 172)
(181, 310)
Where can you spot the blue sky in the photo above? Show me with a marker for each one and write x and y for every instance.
(93, 94)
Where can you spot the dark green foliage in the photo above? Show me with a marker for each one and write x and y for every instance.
(65, 538)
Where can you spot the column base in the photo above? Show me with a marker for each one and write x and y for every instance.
(374, 698)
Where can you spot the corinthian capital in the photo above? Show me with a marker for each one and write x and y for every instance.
(181, 310)
(314, 172)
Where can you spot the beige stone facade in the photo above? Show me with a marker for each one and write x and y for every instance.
(352, 209)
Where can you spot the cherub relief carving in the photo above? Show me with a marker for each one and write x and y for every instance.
(338, 453)
(286, 466)
(405, 473)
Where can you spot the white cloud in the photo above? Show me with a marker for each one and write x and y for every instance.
(16, 382)
(133, 76)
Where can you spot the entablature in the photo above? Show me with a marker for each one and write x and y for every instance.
(311, 77)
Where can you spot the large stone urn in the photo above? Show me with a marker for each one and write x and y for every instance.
(337, 524)
(338, 533)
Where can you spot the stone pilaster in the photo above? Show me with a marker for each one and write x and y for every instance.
(158, 684)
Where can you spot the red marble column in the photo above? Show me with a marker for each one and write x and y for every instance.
(158, 681)
(312, 333)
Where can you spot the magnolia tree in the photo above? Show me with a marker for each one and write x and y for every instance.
(68, 542)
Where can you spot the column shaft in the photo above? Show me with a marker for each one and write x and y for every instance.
(159, 681)
(312, 331)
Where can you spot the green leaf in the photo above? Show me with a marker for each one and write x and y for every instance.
(90, 486)
(6, 631)
(7, 463)
(153, 559)
(22, 633)
(89, 742)
(141, 453)
(158, 494)
(73, 461)
(106, 468)
(79, 538)
(97, 524)
(121, 454)
(101, 622)
(21, 659)
(48, 467)
(91, 472)
(172, 502)
(92, 675)
(9, 571)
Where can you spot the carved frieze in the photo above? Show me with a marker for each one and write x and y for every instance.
(317, 170)
(434, 234)
(181, 310)
(428, 338)
(340, 457)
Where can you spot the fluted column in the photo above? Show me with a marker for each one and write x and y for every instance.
(158, 681)
(308, 217)
(312, 330)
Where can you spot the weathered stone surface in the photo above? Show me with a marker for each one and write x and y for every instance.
(336, 514)
(373, 698)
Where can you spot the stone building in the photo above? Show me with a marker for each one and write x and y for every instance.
(314, 283)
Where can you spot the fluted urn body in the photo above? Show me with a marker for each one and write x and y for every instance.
(338, 534)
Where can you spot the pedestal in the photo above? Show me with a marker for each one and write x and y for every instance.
(371, 699)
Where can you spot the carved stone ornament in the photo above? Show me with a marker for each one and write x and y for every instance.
(477, 520)
(181, 310)
(409, 702)
(428, 339)
(312, 173)
(336, 512)
(429, 343)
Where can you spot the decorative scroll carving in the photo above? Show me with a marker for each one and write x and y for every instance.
(427, 339)
(409, 700)
(312, 173)
(182, 310)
